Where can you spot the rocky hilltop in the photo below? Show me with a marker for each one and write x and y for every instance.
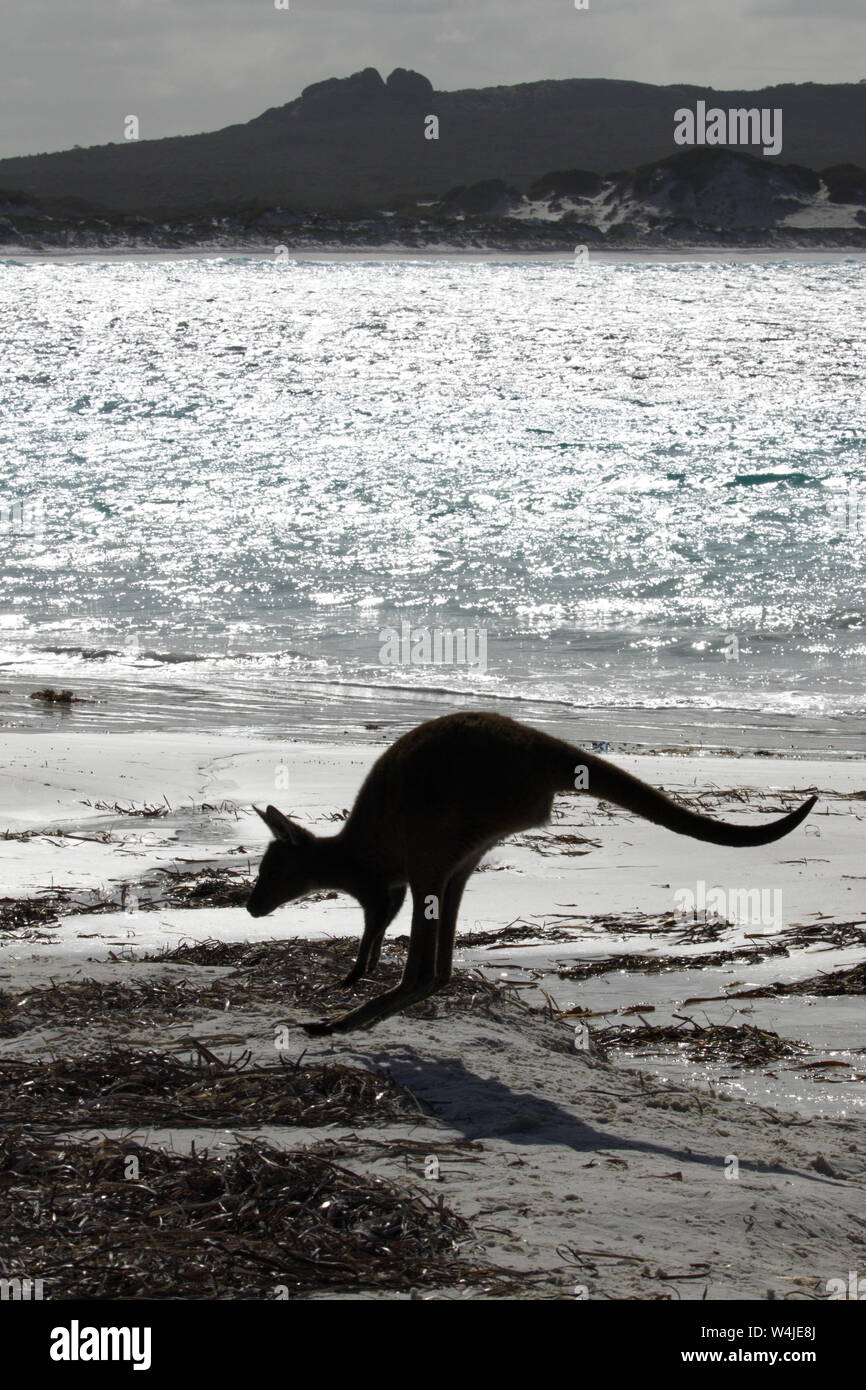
(349, 163)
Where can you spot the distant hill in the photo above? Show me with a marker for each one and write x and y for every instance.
(357, 144)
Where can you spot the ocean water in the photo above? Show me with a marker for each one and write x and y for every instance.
(637, 488)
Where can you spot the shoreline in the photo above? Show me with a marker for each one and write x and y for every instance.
(282, 708)
(623, 255)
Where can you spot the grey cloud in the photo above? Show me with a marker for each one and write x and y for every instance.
(69, 74)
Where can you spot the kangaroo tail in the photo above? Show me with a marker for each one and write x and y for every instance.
(610, 783)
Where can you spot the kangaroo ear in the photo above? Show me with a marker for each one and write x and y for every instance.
(281, 827)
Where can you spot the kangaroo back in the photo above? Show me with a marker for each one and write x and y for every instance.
(498, 776)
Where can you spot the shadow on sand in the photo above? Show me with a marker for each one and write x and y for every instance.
(480, 1107)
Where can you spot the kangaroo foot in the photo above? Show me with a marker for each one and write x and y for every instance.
(393, 1001)
(316, 1030)
(354, 975)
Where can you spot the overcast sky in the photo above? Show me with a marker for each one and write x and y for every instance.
(72, 70)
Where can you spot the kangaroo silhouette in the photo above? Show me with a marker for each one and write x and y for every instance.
(428, 810)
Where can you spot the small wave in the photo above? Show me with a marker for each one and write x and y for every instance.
(85, 653)
(169, 658)
(759, 479)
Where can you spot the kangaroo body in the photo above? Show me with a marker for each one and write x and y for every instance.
(428, 811)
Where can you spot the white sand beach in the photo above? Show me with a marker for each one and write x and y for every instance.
(598, 1171)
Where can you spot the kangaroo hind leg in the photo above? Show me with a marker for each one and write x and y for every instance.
(419, 974)
(448, 922)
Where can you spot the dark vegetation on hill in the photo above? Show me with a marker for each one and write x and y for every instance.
(348, 163)
(356, 144)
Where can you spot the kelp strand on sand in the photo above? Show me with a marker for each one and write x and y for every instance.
(136, 1089)
(270, 977)
(118, 1220)
(744, 1044)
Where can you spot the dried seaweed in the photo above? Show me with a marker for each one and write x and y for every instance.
(304, 973)
(18, 914)
(690, 929)
(832, 933)
(745, 1045)
(209, 887)
(276, 978)
(130, 1088)
(528, 934)
(654, 965)
(120, 1220)
(50, 696)
(850, 981)
(567, 844)
(87, 1003)
(28, 915)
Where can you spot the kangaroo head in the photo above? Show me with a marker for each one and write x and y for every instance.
(287, 869)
